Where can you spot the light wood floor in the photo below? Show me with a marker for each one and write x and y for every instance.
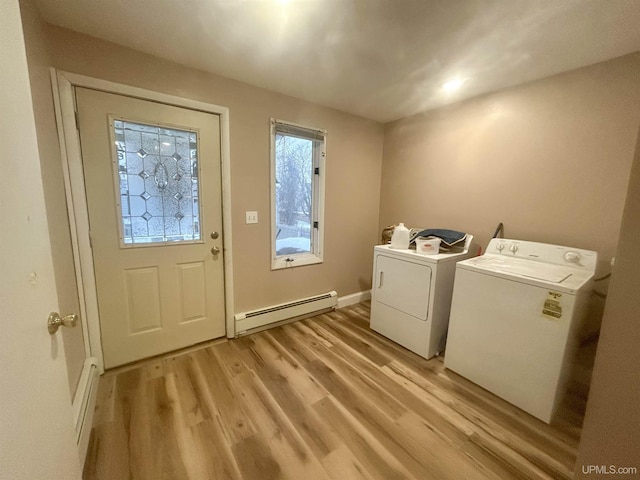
(323, 398)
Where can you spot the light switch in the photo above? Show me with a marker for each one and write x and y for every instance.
(251, 217)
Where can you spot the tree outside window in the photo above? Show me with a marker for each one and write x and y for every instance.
(297, 162)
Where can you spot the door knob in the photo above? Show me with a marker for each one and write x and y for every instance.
(215, 250)
(55, 321)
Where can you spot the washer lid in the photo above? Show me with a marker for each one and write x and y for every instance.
(559, 276)
(525, 268)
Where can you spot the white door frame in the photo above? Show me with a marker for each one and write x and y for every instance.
(69, 138)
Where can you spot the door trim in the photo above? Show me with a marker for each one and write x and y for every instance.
(69, 138)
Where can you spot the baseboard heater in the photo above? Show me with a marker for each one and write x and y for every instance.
(249, 322)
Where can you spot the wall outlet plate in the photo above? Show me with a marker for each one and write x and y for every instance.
(251, 217)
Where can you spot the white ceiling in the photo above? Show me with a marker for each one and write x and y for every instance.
(381, 59)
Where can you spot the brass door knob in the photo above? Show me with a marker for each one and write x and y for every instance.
(215, 250)
(55, 321)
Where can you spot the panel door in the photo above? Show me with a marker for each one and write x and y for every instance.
(153, 182)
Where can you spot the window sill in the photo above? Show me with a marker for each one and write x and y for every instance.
(298, 260)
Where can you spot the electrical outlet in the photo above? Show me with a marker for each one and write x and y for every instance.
(251, 217)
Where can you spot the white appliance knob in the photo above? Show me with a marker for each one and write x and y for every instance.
(572, 256)
(513, 248)
(500, 246)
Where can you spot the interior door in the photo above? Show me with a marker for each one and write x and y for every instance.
(153, 182)
(36, 427)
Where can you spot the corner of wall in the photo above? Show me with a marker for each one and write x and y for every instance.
(611, 431)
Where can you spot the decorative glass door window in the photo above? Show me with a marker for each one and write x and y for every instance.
(157, 179)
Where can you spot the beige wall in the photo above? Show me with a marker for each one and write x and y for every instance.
(38, 59)
(550, 159)
(611, 432)
(354, 158)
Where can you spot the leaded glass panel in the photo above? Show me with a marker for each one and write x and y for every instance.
(158, 183)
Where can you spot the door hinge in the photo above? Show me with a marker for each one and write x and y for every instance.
(317, 171)
(90, 240)
(315, 224)
(77, 119)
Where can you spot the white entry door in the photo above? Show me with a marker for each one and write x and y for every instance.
(153, 182)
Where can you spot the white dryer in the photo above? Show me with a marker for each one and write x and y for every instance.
(411, 296)
(514, 316)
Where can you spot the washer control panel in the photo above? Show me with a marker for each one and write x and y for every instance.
(543, 252)
(507, 246)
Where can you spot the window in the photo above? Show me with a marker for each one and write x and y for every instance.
(158, 183)
(297, 194)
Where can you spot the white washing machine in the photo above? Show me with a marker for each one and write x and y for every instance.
(514, 317)
(411, 296)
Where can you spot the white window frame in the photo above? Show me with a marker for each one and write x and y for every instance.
(318, 195)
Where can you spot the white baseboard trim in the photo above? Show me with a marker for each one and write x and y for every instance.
(84, 405)
(354, 298)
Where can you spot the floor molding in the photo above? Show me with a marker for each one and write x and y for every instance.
(354, 298)
(84, 405)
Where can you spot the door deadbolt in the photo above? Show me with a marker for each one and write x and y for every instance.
(215, 235)
(55, 321)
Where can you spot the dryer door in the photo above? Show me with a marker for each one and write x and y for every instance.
(403, 285)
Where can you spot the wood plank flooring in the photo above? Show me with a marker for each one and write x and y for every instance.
(323, 398)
